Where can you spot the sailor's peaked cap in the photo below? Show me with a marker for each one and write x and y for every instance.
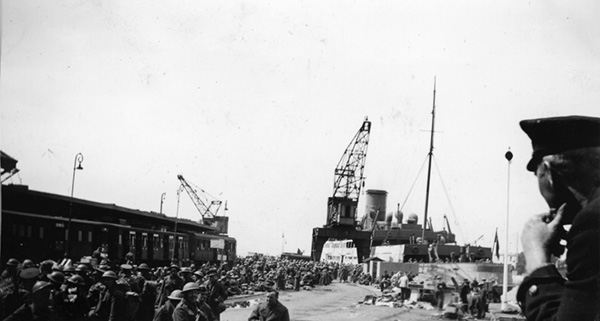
(554, 135)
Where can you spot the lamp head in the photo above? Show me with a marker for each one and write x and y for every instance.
(79, 160)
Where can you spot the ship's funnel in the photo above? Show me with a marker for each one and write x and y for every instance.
(376, 204)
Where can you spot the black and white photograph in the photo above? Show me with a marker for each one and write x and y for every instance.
(299, 160)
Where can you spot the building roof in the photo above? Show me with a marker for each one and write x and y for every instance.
(112, 207)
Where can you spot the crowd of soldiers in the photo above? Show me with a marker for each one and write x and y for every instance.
(137, 292)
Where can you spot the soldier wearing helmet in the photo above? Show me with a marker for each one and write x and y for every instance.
(216, 294)
(11, 268)
(77, 306)
(45, 269)
(149, 292)
(9, 285)
(186, 274)
(38, 309)
(96, 290)
(172, 282)
(205, 309)
(83, 271)
(128, 277)
(112, 303)
(10, 275)
(144, 274)
(165, 312)
(187, 309)
(58, 296)
(28, 275)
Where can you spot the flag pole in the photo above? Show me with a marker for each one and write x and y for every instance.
(503, 306)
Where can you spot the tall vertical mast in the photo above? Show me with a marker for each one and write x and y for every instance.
(430, 155)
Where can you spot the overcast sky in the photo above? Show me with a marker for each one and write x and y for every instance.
(255, 102)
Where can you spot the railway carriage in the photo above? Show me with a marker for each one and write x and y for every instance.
(33, 228)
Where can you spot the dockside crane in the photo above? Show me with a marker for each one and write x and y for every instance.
(205, 210)
(208, 207)
(349, 179)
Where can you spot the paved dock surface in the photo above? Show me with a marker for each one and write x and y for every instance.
(338, 301)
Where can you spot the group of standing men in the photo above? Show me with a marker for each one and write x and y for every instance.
(54, 292)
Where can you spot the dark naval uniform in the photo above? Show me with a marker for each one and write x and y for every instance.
(545, 295)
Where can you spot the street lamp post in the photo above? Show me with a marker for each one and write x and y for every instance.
(162, 199)
(176, 219)
(78, 159)
(503, 306)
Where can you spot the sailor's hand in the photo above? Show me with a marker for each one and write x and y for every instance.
(540, 238)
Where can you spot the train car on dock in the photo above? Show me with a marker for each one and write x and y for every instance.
(36, 226)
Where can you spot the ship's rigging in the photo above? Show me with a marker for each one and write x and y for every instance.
(432, 163)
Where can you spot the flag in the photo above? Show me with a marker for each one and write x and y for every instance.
(497, 245)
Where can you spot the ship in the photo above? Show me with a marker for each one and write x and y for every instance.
(387, 241)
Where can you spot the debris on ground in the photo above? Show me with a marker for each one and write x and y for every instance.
(392, 301)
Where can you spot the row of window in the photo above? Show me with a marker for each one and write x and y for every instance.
(341, 258)
(337, 245)
(28, 232)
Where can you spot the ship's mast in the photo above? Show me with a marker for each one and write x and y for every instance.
(430, 156)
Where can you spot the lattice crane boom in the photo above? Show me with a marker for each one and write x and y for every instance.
(201, 201)
(349, 179)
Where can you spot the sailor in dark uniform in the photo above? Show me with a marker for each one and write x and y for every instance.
(566, 162)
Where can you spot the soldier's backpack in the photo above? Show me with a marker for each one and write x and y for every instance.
(132, 305)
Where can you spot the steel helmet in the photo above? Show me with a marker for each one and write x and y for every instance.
(176, 295)
(102, 268)
(109, 275)
(143, 266)
(69, 269)
(190, 286)
(82, 268)
(39, 285)
(76, 279)
(57, 277)
(27, 263)
(126, 266)
(29, 273)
